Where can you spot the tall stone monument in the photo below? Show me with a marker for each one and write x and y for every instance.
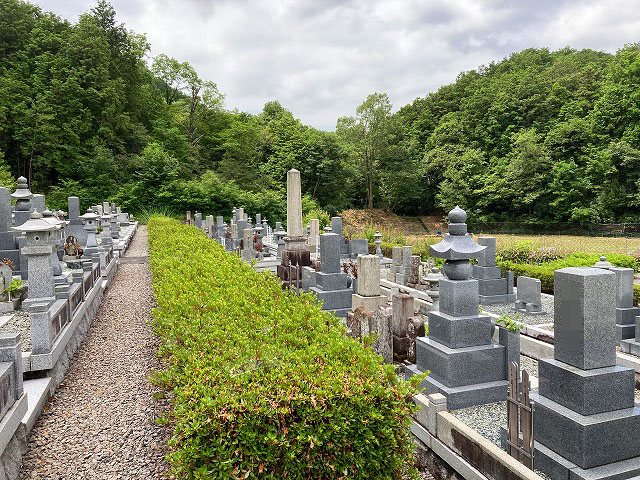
(296, 251)
(492, 287)
(466, 367)
(586, 423)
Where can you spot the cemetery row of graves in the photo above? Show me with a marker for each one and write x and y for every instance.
(54, 269)
(315, 307)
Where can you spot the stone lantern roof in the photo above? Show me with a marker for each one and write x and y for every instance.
(22, 190)
(35, 224)
(456, 245)
(89, 216)
(48, 216)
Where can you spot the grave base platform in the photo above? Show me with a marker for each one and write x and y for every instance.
(495, 299)
(630, 346)
(465, 396)
(557, 467)
(625, 332)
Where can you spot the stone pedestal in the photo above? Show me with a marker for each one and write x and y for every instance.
(492, 287)
(330, 283)
(586, 423)
(466, 367)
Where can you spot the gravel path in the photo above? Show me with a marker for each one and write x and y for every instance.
(101, 423)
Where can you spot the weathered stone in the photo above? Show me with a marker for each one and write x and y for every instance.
(314, 233)
(488, 256)
(403, 307)
(294, 205)
(358, 246)
(368, 275)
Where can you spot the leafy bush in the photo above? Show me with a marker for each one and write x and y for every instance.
(545, 271)
(318, 213)
(264, 384)
(636, 294)
(523, 252)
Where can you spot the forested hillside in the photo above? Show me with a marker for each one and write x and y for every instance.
(541, 135)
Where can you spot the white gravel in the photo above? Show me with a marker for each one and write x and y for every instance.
(101, 422)
(547, 306)
(21, 324)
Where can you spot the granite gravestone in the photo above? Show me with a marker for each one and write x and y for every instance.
(74, 227)
(586, 423)
(466, 367)
(330, 284)
(492, 287)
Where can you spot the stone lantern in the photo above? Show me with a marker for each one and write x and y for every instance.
(23, 197)
(57, 239)
(115, 227)
(105, 223)
(39, 235)
(90, 221)
(377, 240)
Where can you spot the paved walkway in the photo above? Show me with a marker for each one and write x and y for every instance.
(100, 424)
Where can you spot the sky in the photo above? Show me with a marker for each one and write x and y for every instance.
(321, 58)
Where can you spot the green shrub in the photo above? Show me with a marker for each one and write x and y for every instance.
(523, 252)
(264, 384)
(545, 271)
(318, 213)
(636, 294)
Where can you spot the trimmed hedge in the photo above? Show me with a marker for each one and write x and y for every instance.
(264, 384)
(545, 271)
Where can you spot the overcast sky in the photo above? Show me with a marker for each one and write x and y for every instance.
(321, 58)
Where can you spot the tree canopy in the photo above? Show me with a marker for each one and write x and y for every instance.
(538, 136)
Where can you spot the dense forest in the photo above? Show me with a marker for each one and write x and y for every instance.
(540, 135)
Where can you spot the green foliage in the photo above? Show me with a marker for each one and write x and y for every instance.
(544, 271)
(636, 294)
(523, 252)
(509, 323)
(541, 135)
(16, 285)
(318, 213)
(264, 384)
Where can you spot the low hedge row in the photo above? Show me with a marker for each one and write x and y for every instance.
(545, 271)
(264, 384)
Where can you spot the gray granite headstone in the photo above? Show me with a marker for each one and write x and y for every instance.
(585, 313)
(37, 203)
(330, 252)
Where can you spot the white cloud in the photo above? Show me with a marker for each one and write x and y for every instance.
(321, 58)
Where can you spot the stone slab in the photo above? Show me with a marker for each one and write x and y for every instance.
(487, 258)
(627, 315)
(458, 332)
(486, 273)
(330, 252)
(555, 466)
(587, 440)
(331, 281)
(461, 366)
(464, 396)
(37, 391)
(370, 304)
(586, 391)
(496, 299)
(333, 299)
(11, 421)
(492, 287)
(358, 246)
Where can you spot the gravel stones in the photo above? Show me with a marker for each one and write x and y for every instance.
(20, 323)
(101, 422)
(547, 306)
